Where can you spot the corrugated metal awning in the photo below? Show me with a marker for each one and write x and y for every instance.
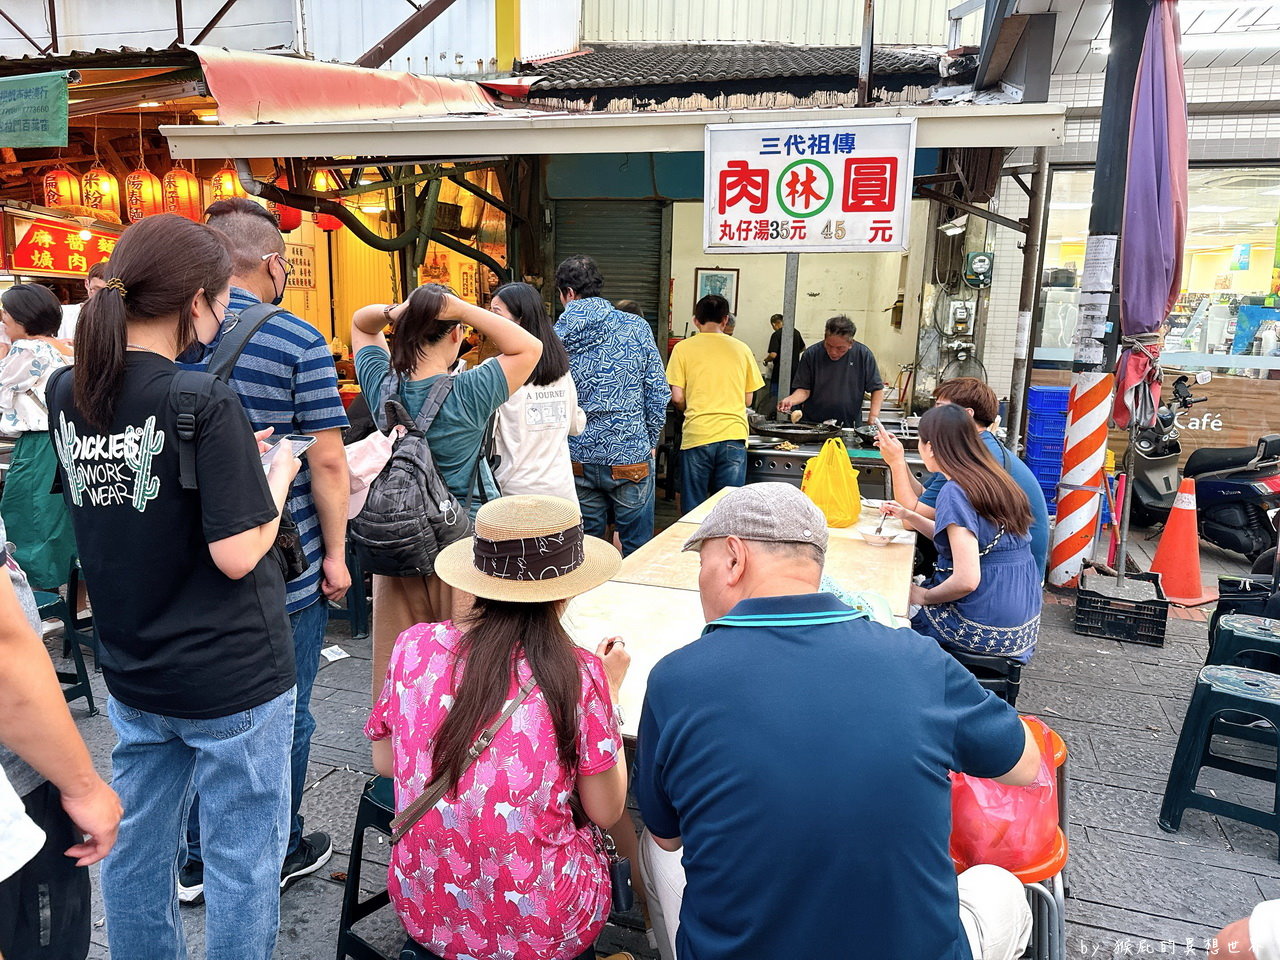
(525, 132)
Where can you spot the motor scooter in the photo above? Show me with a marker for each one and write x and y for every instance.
(1237, 488)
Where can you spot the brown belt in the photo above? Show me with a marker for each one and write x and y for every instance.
(635, 472)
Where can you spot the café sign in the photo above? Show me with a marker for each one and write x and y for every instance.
(832, 186)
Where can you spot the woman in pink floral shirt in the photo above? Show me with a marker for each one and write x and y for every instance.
(498, 869)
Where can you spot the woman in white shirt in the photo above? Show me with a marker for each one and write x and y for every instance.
(37, 521)
(532, 429)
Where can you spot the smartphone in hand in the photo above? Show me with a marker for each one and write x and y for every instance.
(298, 441)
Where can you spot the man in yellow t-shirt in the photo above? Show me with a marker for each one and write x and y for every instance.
(712, 377)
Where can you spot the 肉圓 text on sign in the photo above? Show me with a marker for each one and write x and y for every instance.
(823, 186)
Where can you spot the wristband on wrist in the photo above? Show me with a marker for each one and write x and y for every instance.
(386, 310)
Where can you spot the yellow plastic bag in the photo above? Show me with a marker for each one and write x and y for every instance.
(832, 483)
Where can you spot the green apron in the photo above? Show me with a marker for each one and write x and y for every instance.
(37, 522)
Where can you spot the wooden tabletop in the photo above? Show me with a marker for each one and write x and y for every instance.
(653, 603)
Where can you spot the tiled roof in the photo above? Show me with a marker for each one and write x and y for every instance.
(611, 65)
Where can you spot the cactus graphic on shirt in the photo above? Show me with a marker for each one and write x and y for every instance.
(138, 456)
(64, 442)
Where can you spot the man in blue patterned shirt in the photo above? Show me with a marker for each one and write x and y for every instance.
(623, 389)
(286, 381)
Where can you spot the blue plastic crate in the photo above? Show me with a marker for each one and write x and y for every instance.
(1047, 425)
(1048, 399)
(1044, 450)
(1046, 469)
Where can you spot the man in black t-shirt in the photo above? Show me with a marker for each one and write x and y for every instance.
(774, 355)
(833, 376)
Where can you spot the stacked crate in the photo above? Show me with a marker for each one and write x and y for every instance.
(1046, 437)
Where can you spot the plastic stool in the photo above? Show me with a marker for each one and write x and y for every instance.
(51, 606)
(1220, 689)
(1000, 675)
(377, 807)
(1239, 634)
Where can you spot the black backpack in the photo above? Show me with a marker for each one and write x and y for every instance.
(410, 514)
(188, 395)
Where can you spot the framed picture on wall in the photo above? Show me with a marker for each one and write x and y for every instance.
(709, 280)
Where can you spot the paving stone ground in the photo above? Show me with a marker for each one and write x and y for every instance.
(1133, 888)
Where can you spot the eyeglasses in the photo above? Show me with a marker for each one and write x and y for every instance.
(284, 264)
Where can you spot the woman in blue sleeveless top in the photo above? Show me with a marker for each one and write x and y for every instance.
(984, 596)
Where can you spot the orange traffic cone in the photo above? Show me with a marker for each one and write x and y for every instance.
(1177, 557)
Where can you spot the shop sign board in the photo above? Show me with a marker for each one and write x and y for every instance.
(302, 264)
(49, 248)
(33, 110)
(831, 186)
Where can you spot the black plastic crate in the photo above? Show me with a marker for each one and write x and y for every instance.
(1098, 614)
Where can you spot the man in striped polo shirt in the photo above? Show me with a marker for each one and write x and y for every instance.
(286, 381)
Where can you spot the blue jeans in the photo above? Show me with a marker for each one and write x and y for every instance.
(240, 765)
(309, 625)
(632, 504)
(709, 468)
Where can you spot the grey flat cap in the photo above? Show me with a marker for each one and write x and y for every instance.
(772, 512)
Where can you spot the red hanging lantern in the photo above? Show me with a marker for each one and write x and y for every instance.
(143, 194)
(181, 191)
(226, 184)
(289, 218)
(101, 190)
(61, 188)
(325, 182)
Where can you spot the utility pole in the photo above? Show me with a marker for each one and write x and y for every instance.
(1098, 328)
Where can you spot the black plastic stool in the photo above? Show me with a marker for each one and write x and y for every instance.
(1220, 689)
(1242, 634)
(1001, 675)
(377, 807)
(1245, 641)
(51, 606)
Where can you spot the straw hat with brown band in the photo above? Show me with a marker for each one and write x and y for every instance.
(528, 549)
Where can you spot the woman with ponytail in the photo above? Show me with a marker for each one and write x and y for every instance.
(984, 596)
(196, 647)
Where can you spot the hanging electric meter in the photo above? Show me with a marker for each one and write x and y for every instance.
(977, 269)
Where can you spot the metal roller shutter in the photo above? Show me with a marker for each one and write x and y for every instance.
(624, 238)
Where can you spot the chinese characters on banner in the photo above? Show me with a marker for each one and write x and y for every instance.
(33, 110)
(825, 186)
(54, 249)
(302, 266)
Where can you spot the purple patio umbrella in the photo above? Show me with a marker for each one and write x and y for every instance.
(1155, 215)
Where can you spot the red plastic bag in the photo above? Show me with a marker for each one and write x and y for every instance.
(1011, 827)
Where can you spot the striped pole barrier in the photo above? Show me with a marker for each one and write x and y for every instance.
(1080, 497)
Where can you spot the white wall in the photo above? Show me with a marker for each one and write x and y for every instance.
(814, 22)
(83, 25)
(461, 42)
(862, 285)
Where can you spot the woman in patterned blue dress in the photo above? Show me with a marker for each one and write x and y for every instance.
(984, 596)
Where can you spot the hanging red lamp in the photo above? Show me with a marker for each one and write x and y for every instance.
(326, 182)
(61, 188)
(289, 218)
(143, 194)
(226, 184)
(100, 189)
(181, 190)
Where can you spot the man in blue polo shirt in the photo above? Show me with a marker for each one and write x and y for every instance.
(286, 381)
(797, 756)
(981, 403)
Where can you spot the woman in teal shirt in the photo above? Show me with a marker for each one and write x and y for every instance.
(428, 329)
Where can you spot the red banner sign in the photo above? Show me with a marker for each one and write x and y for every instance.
(55, 249)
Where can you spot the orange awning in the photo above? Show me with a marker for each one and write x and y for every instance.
(259, 88)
